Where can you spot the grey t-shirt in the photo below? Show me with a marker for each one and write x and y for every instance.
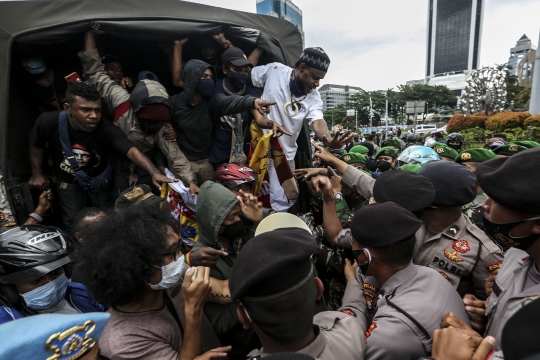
(151, 334)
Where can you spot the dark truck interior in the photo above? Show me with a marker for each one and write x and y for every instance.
(140, 44)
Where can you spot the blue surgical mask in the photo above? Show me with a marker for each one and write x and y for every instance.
(47, 296)
(170, 274)
(205, 87)
(238, 81)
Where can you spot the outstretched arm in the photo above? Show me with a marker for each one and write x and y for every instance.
(177, 75)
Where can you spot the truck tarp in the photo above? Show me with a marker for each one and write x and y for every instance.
(31, 24)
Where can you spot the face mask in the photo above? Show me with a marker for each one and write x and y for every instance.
(234, 230)
(150, 126)
(238, 81)
(205, 87)
(170, 274)
(383, 166)
(501, 233)
(455, 147)
(363, 267)
(47, 296)
(297, 89)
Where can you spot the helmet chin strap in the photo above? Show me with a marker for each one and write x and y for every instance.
(76, 122)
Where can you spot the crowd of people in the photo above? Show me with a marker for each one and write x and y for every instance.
(410, 250)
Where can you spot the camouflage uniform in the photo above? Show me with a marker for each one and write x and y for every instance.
(474, 210)
(333, 258)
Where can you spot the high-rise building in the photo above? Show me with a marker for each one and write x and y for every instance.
(518, 52)
(283, 9)
(333, 95)
(525, 71)
(453, 41)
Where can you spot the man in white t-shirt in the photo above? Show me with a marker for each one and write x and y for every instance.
(295, 92)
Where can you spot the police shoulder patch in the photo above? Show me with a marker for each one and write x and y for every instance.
(494, 266)
(372, 327)
(348, 312)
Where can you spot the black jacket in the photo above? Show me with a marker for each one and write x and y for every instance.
(193, 124)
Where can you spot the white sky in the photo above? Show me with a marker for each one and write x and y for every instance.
(378, 44)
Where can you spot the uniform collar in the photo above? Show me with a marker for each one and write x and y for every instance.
(453, 231)
(398, 279)
(314, 349)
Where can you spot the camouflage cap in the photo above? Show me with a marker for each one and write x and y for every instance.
(509, 149)
(387, 151)
(353, 158)
(476, 155)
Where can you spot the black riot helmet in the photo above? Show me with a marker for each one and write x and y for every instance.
(30, 251)
(455, 137)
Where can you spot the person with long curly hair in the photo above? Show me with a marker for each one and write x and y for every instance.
(131, 262)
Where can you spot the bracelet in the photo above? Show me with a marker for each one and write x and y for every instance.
(188, 258)
(35, 217)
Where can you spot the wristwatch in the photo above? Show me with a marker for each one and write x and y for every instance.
(338, 196)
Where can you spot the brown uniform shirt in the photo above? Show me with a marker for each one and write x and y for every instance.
(339, 333)
(508, 295)
(409, 308)
(462, 254)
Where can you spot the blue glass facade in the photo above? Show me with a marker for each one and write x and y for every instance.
(283, 9)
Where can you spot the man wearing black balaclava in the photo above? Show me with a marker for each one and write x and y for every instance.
(195, 109)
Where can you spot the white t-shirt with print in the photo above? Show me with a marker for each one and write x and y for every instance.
(275, 79)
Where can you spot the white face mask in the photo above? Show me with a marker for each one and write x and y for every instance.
(170, 274)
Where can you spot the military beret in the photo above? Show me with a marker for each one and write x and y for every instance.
(386, 151)
(414, 192)
(272, 264)
(476, 155)
(455, 185)
(353, 158)
(529, 144)
(513, 181)
(411, 167)
(370, 228)
(509, 149)
(446, 151)
(51, 336)
(520, 334)
(361, 149)
(392, 142)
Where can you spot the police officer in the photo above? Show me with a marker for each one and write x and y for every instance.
(53, 336)
(472, 158)
(512, 217)
(274, 281)
(386, 252)
(448, 241)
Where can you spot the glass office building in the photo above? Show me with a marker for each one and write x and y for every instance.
(283, 9)
(454, 34)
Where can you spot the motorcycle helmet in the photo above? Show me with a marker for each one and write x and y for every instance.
(417, 155)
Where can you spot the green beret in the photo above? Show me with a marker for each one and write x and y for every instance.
(509, 149)
(392, 142)
(445, 151)
(529, 144)
(436, 145)
(386, 151)
(360, 149)
(353, 158)
(411, 167)
(478, 155)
